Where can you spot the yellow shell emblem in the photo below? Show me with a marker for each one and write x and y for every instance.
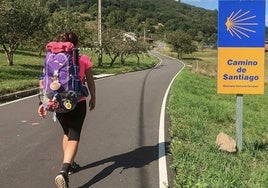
(68, 105)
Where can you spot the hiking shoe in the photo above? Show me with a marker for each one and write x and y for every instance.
(74, 168)
(62, 180)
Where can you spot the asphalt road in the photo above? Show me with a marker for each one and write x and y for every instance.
(119, 142)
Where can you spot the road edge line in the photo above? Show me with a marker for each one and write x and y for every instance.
(18, 100)
(162, 167)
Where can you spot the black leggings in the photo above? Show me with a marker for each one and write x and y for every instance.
(72, 121)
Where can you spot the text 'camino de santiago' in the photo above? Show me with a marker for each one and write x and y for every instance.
(241, 70)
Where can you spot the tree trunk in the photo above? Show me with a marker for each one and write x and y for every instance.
(40, 52)
(138, 59)
(122, 59)
(41, 49)
(9, 56)
(113, 59)
(179, 54)
(9, 52)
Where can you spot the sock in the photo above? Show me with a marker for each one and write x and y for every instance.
(65, 167)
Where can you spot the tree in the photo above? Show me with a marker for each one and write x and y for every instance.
(20, 19)
(182, 43)
(119, 44)
(59, 22)
(116, 18)
(62, 21)
(134, 48)
(113, 44)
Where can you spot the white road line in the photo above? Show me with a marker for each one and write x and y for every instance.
(163, 177)
(24, 98)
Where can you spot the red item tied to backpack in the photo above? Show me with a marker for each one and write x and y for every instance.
(57, 47)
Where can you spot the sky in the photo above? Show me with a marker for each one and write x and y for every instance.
(213, 4)
(207, 4)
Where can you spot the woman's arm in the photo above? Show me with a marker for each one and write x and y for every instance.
(92, 88)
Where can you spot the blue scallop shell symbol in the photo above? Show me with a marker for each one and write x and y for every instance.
(241, 23)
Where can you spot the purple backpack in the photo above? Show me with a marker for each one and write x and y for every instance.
(61, 84)
(58, 72)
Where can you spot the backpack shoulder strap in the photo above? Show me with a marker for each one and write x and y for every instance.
(75, 56)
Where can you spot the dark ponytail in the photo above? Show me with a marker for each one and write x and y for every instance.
(69, 37)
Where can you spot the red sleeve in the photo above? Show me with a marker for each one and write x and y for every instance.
(84, 64)
(85, 60)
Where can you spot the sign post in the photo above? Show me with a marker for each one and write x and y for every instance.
(241, 52)
(239, 121)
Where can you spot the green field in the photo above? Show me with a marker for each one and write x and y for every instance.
(28, 66)
(198, 114)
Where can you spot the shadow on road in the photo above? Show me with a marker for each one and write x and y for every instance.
(133, 159)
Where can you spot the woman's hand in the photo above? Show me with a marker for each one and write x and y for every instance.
(42, 111)
(92, 103)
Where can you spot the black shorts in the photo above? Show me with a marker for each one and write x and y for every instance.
(72, 122)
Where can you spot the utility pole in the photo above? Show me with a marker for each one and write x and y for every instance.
(99, 34)
(68, 4)
(144, 34)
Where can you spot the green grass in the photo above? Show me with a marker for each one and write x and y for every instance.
(28, 66)
(130, 65)
(198, 114)
(24, 73)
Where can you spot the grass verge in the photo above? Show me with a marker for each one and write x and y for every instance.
(198, 114)
(28, 66)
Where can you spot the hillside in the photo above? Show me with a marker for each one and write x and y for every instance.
(157, 17)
